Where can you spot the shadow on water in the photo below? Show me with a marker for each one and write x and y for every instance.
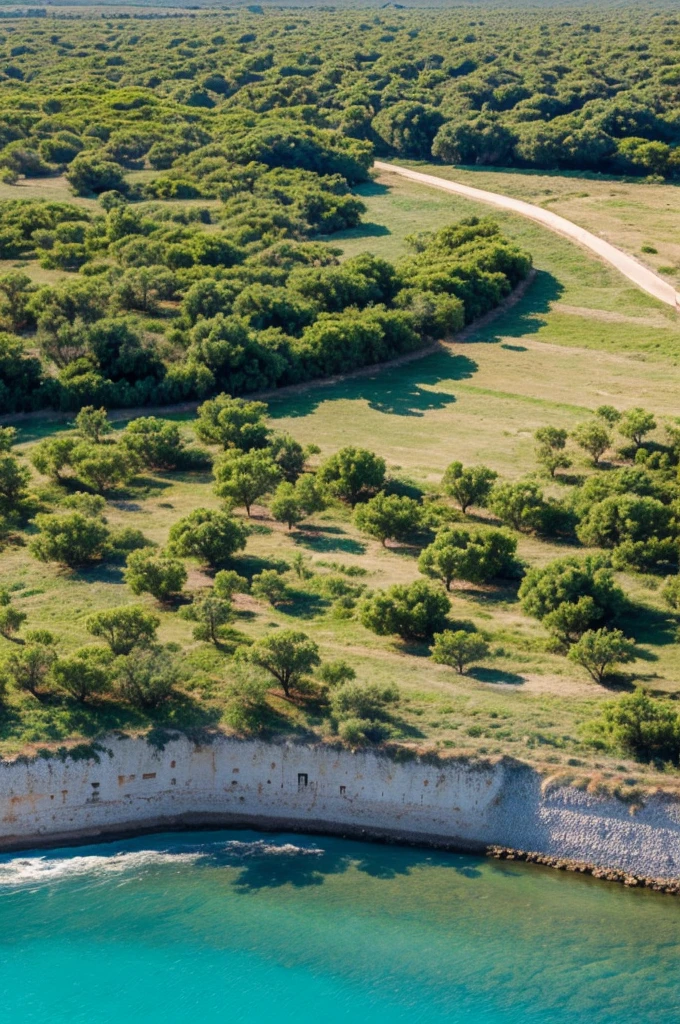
(268, 865)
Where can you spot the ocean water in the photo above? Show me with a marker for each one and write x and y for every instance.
(231, 927)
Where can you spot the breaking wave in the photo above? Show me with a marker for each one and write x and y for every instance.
(43, 869)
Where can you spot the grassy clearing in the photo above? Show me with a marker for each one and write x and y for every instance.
(633, 215)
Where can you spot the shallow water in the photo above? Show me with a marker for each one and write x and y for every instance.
(243, 927)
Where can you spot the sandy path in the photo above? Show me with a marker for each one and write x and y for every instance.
(644, 278)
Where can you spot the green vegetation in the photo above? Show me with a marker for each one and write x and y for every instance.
(476, 551)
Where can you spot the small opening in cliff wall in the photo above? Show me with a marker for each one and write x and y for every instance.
(303, 780)
(343, 790)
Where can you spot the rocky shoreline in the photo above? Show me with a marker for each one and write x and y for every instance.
(633, 881)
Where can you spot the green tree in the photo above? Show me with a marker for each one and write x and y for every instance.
(365, 702)
(635, 424)
(625, 517)
(93, 424)
(103, 468)
(352, 474)
(52, 455)
(228, 582)
(572, 581)
(8, 437)
(269, 585)
(474, 557)
(83, 674)
(288, 655)
(155, 443)
(458, 648)
(598, 650)
(609, 414)
(211, 614)
(285, 506)
(124, 628)
(14, 481)
(550, 445)
(413, 611)
(389, 517)
(593, 438)
(16, 289)
(159, 575)
(29, 668)
(71, 538)
(233, 423)
(247, 707)
(243, 477)
(641, 726)
(11, 618)
(336, 673)
(520, 505)
(290, 456)
(309, 494)
(209, 535)
(671, 592)
(147, 676)
(471, 486)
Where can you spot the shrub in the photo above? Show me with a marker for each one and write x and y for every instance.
(641, 726)
(389, 517)
(550, 445)
(635, 424)
(233, 423)
(209, 535)
(593, 438)
(83, 674)
(587, 585)
(412, 611)
(471, 486)
(474, 557)
(155, 443)
(158, 575)
(288, 655)
(368, 702)
(598, 650)
(519, 505)
(124, 628)
(92, 424)
(29, 668)
(269, 585)
(458, 648)
(11, 618)
(335, 673)
(211, 613)
(71, 538)
(243, 477)
(146, 677)
(352, 474)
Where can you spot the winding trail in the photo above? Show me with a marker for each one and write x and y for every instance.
(640, 275)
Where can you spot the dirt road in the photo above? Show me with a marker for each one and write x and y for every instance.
(640, 275)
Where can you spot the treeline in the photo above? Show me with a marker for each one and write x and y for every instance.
(162, 310)
(586, 90)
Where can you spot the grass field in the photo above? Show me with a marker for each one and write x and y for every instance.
(582, 336)
(632, 214)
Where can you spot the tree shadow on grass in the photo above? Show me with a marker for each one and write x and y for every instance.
(251, 565)
(527, 317)
(649, 626)
(408, 390)
(304, 605)
(329, 538)
(496, 676)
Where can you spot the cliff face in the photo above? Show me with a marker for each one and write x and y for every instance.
(134, 785)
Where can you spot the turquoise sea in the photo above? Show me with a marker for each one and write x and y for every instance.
(231, 927)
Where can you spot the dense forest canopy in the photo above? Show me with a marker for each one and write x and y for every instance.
(555, 87)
